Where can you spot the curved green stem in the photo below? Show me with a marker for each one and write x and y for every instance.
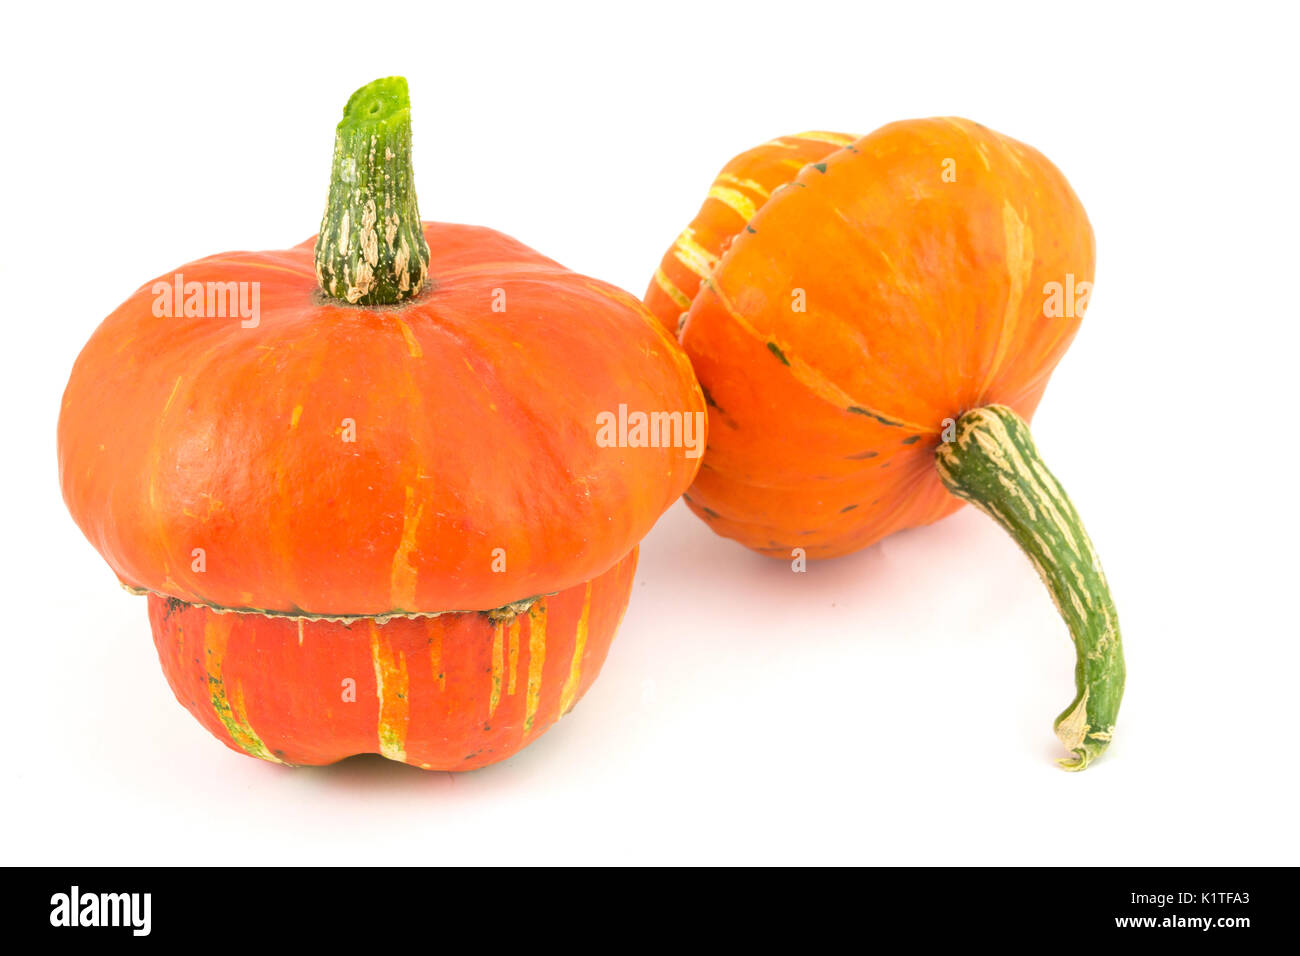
(993, 464)
(371, 248)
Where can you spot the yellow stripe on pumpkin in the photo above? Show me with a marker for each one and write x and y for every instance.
(1018, 242)
(412, 343)
(693, 255)
(229, 706)
(666, 285)
(536, 658)
(731, 179)
(498, 664)
(403, 575)
(821, 136)
(391, 687)
(514, 653)
(569, 694)
(734, 200)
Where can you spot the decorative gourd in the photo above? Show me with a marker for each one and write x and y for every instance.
(375, 516)
(871, 345)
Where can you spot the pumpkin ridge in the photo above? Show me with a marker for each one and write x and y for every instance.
(543, 440)
(871, 466)
(918, 488)
(843, 401)
(760, 172)
(404, 576)
(1019, 272)
(259, 261)
(504, 612)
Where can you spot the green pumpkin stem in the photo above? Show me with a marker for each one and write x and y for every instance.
(371, 248)
(992, 463)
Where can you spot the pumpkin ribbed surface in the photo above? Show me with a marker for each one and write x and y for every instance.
(737, 193)
(473, 435)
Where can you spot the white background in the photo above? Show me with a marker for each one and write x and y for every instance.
(894, 706)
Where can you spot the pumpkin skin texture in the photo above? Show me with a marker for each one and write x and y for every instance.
(452, 692)
(471, 435)
(390, 472)
(872, 343)
(737, 192)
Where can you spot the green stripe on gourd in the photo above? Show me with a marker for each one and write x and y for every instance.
(992, 463)
(236, 726)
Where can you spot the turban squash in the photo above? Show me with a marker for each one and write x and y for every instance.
(375, 517)
(873, 321)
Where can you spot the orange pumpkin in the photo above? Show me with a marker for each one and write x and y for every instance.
(872, 339)
(376, 516)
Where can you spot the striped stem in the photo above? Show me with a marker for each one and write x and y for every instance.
(992, 463)
(371, 248)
